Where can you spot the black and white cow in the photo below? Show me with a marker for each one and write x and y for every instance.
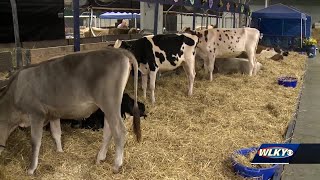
(164, 52)
(96, 120)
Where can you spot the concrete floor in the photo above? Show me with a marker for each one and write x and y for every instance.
(307, 129)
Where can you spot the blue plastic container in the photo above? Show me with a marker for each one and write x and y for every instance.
(288, 81)
(261, 173)
(311, 51)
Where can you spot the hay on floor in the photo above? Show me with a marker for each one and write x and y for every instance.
(183, 137)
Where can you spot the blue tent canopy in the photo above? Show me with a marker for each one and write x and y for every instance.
(119, 15)
(279, 11)
(281, 24)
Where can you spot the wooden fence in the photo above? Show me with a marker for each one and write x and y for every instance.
(38, 51)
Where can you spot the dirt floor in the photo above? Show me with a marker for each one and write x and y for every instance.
(183, 137)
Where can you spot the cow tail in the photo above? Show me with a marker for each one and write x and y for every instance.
(136, 111)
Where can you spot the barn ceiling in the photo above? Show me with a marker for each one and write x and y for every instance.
(253, 2)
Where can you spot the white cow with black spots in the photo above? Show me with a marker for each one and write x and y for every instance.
(227, 43)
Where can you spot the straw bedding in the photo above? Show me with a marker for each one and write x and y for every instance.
(183, 137)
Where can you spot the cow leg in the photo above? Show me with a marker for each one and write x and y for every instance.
(251, 63)
(119, 138)
(118, 132)
(205, 64)
(211, 67)
(36, 136)
(255, 67)
(190, 72)
(106, 139)
(144, 85)
(56, 133)
(153, 76)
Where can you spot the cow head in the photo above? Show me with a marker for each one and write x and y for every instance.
(190, 31)
(127, 106)
(122, 44)
(285, 53)
(10, 119)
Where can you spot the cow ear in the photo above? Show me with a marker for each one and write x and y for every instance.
(199, 35)
(117, 44)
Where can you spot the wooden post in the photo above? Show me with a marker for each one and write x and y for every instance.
(16, 33)
(76, 26)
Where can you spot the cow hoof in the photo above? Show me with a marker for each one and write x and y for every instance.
(60, 151)
(98, 162)
(116, 169)
(100, 159)
(30, 171)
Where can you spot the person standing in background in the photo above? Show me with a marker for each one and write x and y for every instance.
(123, 24)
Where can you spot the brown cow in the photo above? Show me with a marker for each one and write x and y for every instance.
(70, 87)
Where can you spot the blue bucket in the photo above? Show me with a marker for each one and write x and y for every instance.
(288, 81)
(311, 50)
(248, 172)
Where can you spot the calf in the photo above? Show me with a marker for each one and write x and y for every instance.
(163, 52)
(96, 120)
(233, 65)
(70, 87)
(227, 43)
(271, 53)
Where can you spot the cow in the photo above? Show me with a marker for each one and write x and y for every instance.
(270, 53)
(95, 32)
(198, 28)
(70, 87)
(274, 53)
(226, 43)
(96, 120)
(163, 52)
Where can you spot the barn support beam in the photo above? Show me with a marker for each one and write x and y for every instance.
(217, 19)
(156, 16)
(16, 33)
(207, 23)
(76, 26)
(194, 21)
(234, 20)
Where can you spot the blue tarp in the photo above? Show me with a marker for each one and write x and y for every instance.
(280, 24)
(119, 15)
